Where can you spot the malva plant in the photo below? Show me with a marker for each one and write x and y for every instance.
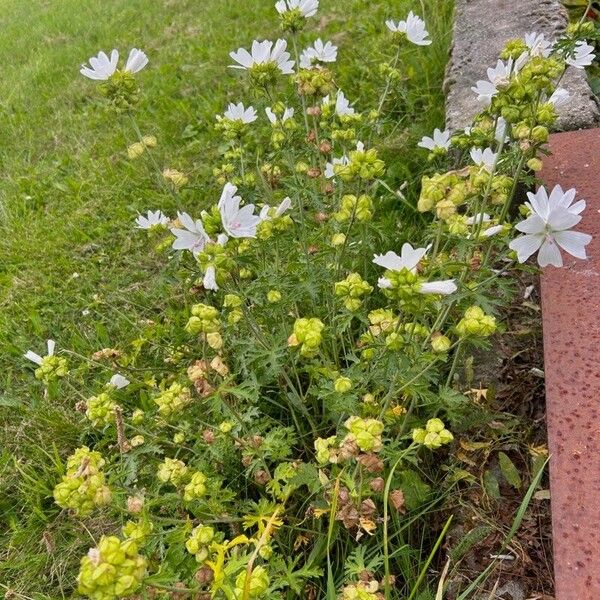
(273, 436)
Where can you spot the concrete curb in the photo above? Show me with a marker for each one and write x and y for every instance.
(481, 28)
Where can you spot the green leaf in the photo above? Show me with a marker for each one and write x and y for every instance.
(490, 483)
(415, 490)
(510, 472)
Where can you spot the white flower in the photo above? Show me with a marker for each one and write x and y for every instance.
(288, 113)
(498, 76)
(237, 112)
(560, 97)
(484, 158)
(118, 381)
(409, 258)
(193, 237)
(440, 139)
(582, 57)
(237, 222)
(36, 358)
(209, 280)
(329, 167)
(136, 61)
(547, 229)
(538, 44)
(485, 91)
(308, 8)
(493, 230)
(102, 67)
(284, 206)
(500, 133)
(263, 53)
(152, 219)
(342, 104)
(542, 204)
(413, 27)
(445, 287)
(318, 52)
(480, 218)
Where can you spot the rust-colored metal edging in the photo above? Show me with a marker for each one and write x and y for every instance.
(571, 324)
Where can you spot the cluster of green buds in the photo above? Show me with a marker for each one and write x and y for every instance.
(138, 531)
(176, 178)
(204, 319)
(282, 121)
(121, 90)
(314, 82)
(476, 323)
(365, 432)
(389, 72)
(342, 385)
(257, 586)
(264, 75)
(51, 368)
(518, 100)
(172, 470)
(398, 338)
(233, 303)
(351, 290)
(232, 129)
(382, 321)
(500, 185)
(363, 164)
(172, 400)
(100, 409)
(441, 193)
(351, 207)
(138, 148)
(273, 224)
(363, 590)
(223, 173)
(198, 543)
(83, 488)
(440, 343)
(325, 450)
(308, 335)
(404, 285)
(292, 20)
(271, 173)
(434, 435)
(113, 569)
(196, 487)
(217, 256)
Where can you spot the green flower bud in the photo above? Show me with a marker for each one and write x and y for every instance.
(196, 488)
(113, 569)
(259, 583)
(173, 471)
(440, 343)
(274, 296)
(342, 385)
(476, 323)
(173, 400)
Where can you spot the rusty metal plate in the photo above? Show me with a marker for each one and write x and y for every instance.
(571, 324)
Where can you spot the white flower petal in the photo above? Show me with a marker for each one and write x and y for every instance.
(33, 357)
(438, 287)
(526, 245)
(119, 381)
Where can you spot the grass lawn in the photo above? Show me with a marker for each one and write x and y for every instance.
(71, 265)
